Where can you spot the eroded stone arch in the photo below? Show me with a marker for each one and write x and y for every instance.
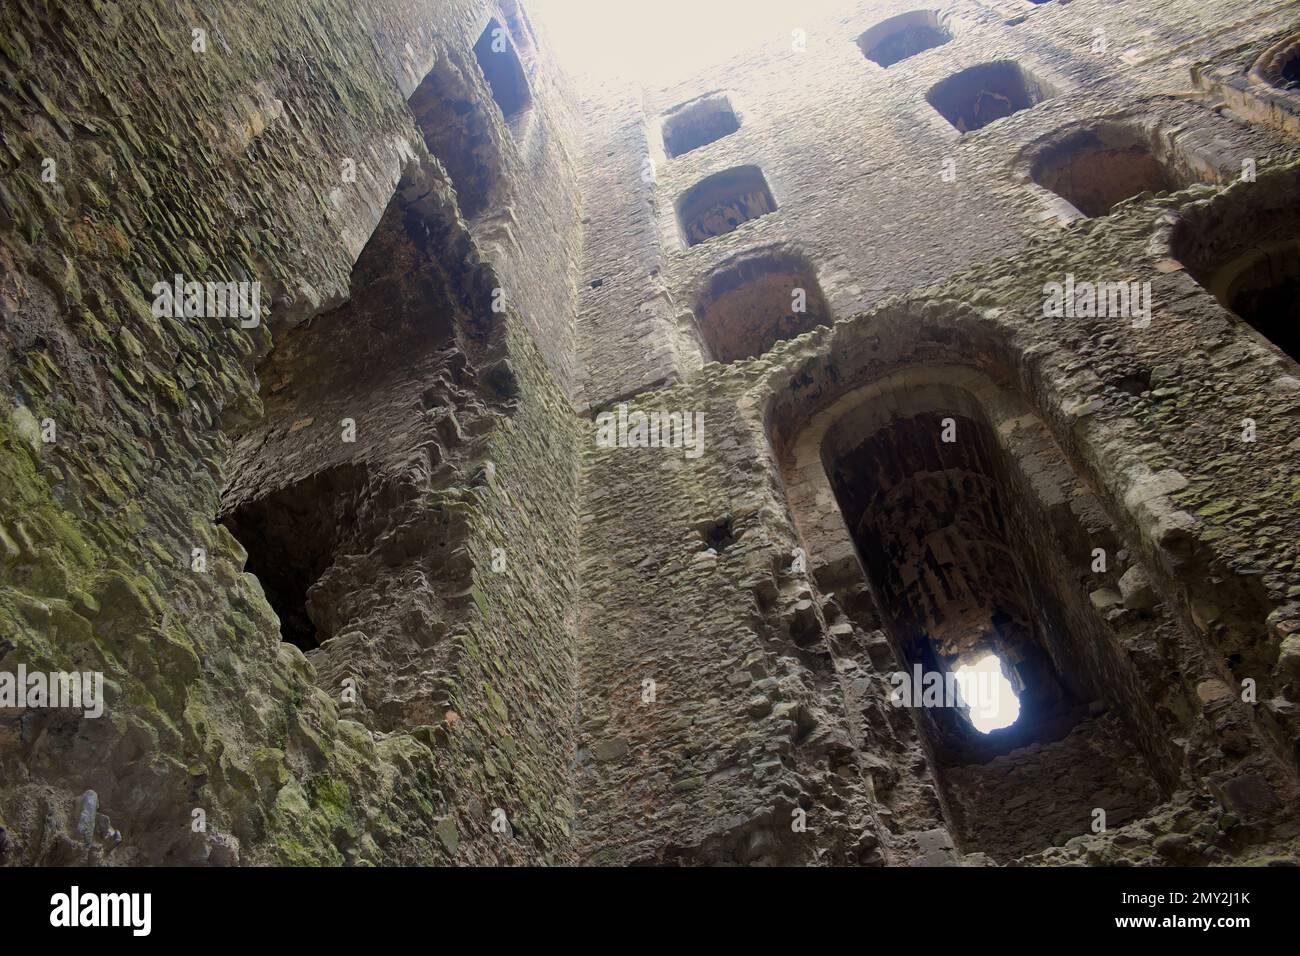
(756, 299)
(1158, 664)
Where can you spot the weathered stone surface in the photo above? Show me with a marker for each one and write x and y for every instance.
(272, 155)
(364, 583)
(1137, 591)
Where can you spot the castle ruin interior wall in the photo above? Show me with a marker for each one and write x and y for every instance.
(288, 153)
(366, 588)
(756, 707)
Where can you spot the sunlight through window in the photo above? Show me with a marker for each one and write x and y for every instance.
(987, 694)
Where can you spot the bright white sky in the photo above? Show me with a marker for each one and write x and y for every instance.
(657, 42)
(989, 695)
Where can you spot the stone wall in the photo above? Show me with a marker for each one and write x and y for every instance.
(1028, 799)
(855, 157)
(502, 639)
(226, 156)
(775, 644)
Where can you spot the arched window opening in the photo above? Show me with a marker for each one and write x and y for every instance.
(1289, 77)
(757, 300)
(455, 123)
(1003, 659)
(1268, 94)
(1097, 167)
(929, 519)
(1279, 65)
(722, 202)
(699, 123)
(1264, 289)
(903, 36)
(983, 94)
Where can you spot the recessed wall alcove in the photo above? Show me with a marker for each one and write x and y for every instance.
(499, 61)
(699, 123)
(757, 299)
(293, 535)
(304, 485)
(985, 93)
(371, 409)
(976, 546)
(1100, 164)
(722, 202)
(899, 38)
(1243, 247)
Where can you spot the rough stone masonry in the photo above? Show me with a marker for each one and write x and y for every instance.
(987, 311)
